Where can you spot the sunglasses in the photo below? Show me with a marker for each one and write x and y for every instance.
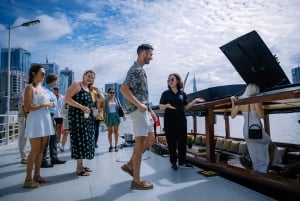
(171, 80)
(111, 92)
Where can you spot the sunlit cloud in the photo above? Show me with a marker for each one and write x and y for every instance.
(186, 35)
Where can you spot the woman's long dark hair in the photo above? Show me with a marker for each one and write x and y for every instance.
(33, 71)
(178, 78)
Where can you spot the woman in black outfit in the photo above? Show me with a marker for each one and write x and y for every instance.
(174, 102)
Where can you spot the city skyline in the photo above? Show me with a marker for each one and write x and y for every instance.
(103, 36)
(65, 77)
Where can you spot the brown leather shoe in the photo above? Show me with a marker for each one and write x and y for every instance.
(125, 168)
(142, 185)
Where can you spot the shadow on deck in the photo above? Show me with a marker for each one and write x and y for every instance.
(108, 182)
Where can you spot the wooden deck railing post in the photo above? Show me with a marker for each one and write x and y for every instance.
(209, 129)
(227, 126)
(195, 126)
(267, 123)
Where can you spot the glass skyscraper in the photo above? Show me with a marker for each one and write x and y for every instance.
(296, 74)
(66, 78)
(19, 67)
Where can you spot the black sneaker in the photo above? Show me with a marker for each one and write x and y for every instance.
(45, 164)
(185, 165)
(116, 149)
(57, 161)
(110, 149)
(174, 167)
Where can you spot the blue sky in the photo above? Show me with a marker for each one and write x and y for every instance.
(186, 34)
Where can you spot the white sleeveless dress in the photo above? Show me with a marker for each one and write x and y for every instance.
(39, 122)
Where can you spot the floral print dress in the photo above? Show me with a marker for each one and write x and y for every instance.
(82, 132)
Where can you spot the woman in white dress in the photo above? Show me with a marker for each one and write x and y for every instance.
(38, 124)
(258, 148)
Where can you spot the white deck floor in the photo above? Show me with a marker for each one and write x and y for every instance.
(108, 182)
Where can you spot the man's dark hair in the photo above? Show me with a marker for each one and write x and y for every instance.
(143, 47)
(51, 78)
(110, 89)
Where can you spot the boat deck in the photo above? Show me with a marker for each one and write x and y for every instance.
(108, 182)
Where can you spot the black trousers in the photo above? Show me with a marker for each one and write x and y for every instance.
(97, 124)
(176, 139)
(52, 144)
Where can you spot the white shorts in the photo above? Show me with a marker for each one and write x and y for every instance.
(141, 123)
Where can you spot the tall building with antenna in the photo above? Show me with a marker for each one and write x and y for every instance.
(194, 84)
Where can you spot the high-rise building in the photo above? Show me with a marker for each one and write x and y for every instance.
(51, 68)
(17, 82)
(19, 68)
(194, 84)
(62, 83)
(19, 59)
(296, 74)
(66, 78)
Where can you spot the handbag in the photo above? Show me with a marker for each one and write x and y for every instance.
(255, 130)
(120, 109)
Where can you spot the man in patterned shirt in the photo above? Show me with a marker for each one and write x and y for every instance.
(135, 90)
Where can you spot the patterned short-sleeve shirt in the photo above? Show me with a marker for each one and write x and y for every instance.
(136, 79)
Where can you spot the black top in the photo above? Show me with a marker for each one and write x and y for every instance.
(178, 100)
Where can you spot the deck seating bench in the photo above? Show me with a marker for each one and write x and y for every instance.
(226, 148)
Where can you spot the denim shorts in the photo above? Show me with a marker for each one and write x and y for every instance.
(141, 123)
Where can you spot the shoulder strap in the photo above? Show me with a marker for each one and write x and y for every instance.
(118, 103)
(248, 117)
(80, 86)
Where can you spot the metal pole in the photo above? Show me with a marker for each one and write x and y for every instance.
(8, 89)
(26, 24)
(185, 80)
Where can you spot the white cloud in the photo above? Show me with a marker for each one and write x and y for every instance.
(186, 36)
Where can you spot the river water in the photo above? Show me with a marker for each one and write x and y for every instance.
(284, 127)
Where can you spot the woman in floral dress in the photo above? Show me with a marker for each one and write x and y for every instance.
(81, 121)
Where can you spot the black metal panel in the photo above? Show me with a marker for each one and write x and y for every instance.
(219, 92)
(254, 61)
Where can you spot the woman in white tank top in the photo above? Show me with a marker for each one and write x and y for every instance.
(39, 125)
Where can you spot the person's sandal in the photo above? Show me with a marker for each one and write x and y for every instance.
(29, 183)
(87, 169)
(41, 180)
(142, 185)
(126, 169)
(24, 161)
(83, 173)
